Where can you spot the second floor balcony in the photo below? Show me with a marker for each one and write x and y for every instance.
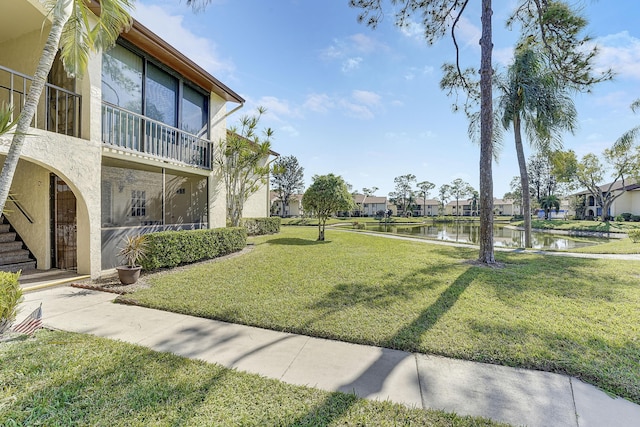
(59, 109)
(137, 133)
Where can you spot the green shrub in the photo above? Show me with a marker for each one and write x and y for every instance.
(10, 297)
(172, 248)
(260, 226)
(620, 218)
(626, 215)
(634, 235)
(635, 218)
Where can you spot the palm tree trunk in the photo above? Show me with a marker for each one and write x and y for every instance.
(486, 254)
(31, 102)
(524, 181)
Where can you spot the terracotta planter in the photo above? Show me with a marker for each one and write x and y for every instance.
(128, 275)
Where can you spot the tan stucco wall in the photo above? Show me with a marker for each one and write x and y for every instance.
(31, 190)
(22, 54)
(257, 205)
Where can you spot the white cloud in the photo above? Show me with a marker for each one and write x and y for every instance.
(172, 29)
(319, 103)
(621, 52)
(428, 70)
(363, 43)
(290, 130)
(366, 97)
(277, 108)
(468, 33)
(413, 30)
(351, 50)
(503, 56)
(351, 64)
(358, 111)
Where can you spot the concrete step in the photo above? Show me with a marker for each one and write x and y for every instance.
(4, 228)
(15, 256)
(10, 246)
(7, 236)
(14, 267)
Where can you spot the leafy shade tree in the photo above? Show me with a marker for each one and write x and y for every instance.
(287, 179)
(552, 23)
(327, 195)
(460, 189)
(242, 161)
(542, 180)
(549, 202)
(622, 160)
(516, 192)
(403, 190)
(445, 192)
(71, 31)
(531, 97)
(425, 187)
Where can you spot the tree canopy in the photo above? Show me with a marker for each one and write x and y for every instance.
(327, 195)
(242, 160)
(287, 179)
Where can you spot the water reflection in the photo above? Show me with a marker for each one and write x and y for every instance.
(503, 236)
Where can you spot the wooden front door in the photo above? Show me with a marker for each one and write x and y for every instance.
(64, 225)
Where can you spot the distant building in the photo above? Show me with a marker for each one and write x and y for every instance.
(293, 208)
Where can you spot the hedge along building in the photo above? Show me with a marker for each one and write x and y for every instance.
(124, 149)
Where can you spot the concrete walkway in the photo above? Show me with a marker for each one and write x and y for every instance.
(515, 396)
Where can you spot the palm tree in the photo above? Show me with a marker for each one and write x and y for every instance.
(70, 30)
(425, 187)
(530, 95)
(549, 202)
(630, 136)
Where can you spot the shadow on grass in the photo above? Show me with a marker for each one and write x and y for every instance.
(372, 379)
(295, 242)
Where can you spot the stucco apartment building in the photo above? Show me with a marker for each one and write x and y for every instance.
(125, 149)
(627, 202)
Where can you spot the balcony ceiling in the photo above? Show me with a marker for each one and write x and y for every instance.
(20, 17)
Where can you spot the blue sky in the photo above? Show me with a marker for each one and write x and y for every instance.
(366, 104)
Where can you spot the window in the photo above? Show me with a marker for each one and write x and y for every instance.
(122, 79)
(161, 94)
(138, 203)
(194, 112)
(127, 75)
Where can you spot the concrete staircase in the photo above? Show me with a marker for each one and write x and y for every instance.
(14, 255)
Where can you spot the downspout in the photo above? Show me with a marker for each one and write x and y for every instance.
(227, 114)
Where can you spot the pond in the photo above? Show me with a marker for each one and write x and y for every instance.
(503, 235)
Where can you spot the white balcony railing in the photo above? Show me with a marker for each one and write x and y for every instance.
(135, 132)
(59, 110)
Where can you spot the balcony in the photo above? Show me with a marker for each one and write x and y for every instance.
(59, 110)
(136, 133)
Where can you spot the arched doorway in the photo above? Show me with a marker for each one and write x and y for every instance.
(64, 230)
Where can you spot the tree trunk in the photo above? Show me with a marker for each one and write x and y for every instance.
(524, 181)
(486, 144)
(320, 230)
(31, 102)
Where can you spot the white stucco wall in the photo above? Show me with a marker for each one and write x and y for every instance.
(76, 162)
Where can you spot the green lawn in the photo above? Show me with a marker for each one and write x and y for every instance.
(614, 246)
(560, 314)
(571, 225)
(65, 379)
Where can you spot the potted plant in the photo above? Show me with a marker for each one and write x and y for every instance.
(134, 249)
